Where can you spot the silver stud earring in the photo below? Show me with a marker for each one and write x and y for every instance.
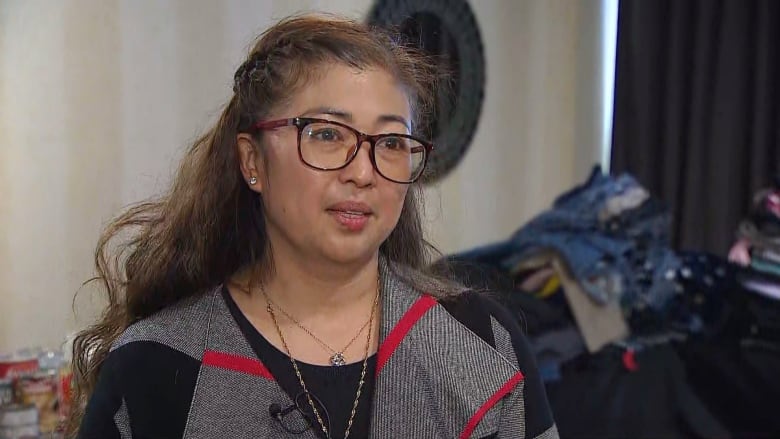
(253, 180)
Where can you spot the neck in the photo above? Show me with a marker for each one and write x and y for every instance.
(310, 288)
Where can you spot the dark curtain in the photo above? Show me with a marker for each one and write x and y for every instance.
(697, 109)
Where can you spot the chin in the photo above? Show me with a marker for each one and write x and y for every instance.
(349, 254)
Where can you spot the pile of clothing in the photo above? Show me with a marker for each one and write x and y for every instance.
(622, 325)
(758, 243)
(607, 242)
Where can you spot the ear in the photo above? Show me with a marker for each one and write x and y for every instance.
(250, 162)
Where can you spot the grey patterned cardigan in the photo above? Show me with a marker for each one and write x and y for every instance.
(436, 376)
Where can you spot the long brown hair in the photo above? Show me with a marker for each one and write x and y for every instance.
(209, 224)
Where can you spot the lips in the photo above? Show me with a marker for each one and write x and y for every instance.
(352, 207)
(352, 215)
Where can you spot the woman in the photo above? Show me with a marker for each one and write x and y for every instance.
(279, 289)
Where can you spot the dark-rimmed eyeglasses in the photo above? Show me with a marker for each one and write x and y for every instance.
(298, 418)
(327, 145)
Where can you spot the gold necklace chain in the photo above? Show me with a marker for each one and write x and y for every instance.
(337, 359)
(300, 377)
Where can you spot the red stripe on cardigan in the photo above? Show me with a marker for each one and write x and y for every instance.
(236, 363)
(502, 392)
(394, 338)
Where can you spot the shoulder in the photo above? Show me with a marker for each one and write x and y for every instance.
(176, 326)
(484, 316)
(495, 324)
(145, 387)
(161, 353)
(147, 381)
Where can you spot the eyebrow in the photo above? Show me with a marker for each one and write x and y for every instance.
(347, 116)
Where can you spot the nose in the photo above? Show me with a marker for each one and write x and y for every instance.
(360, 170)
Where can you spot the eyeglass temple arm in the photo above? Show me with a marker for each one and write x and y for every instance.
(273, 124)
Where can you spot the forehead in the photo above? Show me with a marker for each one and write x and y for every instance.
(366, 93)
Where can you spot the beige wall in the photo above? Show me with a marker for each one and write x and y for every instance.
(540, 128)
(98, 99)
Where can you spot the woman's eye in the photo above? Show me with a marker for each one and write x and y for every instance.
(326, 135)
(392, 143)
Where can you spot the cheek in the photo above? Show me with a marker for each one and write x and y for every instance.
(394, 198)
(303, 195)
(291, 185)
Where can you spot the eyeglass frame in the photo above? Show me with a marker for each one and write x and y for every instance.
(299, 407)
(303, 122)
